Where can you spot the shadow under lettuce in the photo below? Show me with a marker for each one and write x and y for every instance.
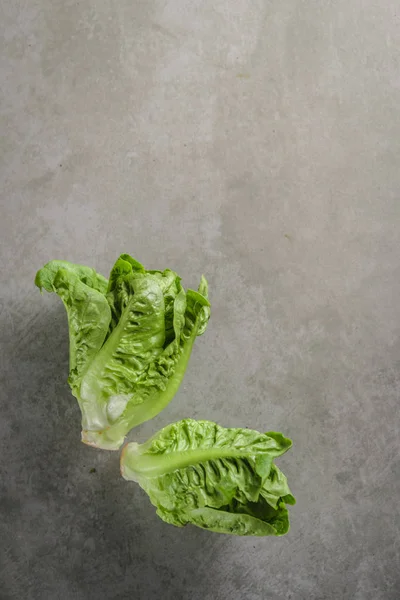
(72, 527)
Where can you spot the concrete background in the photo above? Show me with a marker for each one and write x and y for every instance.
(257, 141)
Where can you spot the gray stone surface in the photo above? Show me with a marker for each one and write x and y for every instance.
(254, 140)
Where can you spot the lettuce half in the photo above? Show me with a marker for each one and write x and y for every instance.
(219, 479)
(130, 341)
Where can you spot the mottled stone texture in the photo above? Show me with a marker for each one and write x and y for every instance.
(256, 141)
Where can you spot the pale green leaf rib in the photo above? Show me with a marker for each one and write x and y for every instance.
(187, 434)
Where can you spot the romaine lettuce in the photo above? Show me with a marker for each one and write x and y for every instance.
(223, 480)
(130, 341)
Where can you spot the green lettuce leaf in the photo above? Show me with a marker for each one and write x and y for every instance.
(223, 480)
(130, 341)
(82, 291)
